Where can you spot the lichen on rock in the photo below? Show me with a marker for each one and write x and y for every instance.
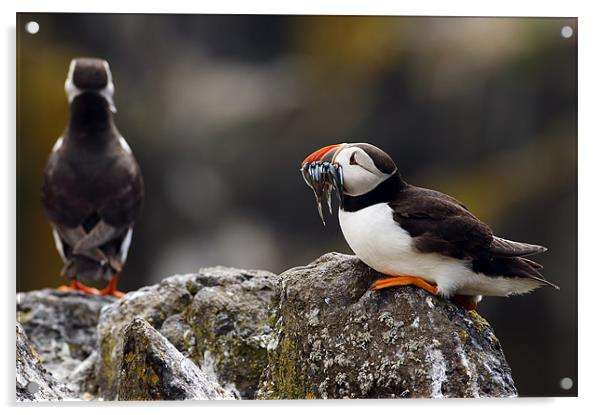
(155, 304)
(316, 331)
(61, 326)
(153, 369)
(216, 317)
(338, 339)
(34, 383)
(230, 322)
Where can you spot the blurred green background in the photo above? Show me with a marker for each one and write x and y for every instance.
(220, 110)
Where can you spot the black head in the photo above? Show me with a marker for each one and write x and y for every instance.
(90, 75)
(381, 160)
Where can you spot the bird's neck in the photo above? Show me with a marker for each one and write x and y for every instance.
(89, 114)
(385, 192)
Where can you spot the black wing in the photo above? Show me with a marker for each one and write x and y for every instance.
(441, 224)
(80, 189)
(92, 203)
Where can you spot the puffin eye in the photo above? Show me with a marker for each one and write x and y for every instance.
(352, 161)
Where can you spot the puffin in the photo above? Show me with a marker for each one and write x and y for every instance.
(93, 189)
(417, 236)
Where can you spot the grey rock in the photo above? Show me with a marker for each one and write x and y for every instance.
(155, 304)
(62, 328)
(338, 339)
(177, 330)
(314, 332)
(153, 369)
(217, 317)
(33, 382)
(229, 316)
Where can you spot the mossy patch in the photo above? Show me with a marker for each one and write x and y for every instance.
(483, 327)
(288, 377)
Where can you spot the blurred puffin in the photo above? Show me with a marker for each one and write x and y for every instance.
(93, 189)
(414, 235)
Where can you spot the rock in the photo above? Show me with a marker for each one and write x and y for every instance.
(34, 383)
(338, 339)
(230, 321)
(313, 332)
(153, 369)
(217, 317)
(62, 328)
(154, 304)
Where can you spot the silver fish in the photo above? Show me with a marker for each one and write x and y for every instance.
(323, 178)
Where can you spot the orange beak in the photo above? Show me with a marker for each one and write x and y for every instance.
(321, 153)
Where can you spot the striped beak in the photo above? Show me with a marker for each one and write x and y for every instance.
(324, 154)
(323, 175)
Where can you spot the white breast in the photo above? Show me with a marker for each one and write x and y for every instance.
(382, 244)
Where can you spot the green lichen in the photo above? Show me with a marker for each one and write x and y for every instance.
(272, 320)
(288, 376)
(249, 363)
(483, 327)
(236, 354)
(108, 367)
(154, 378)
(479, 322)
(140, 375)
(24, 316)
(129, 357)
(188, 342)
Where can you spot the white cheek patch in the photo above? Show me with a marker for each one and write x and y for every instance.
(107, 93)
(70, 88)
(358, 179)
(366, 162)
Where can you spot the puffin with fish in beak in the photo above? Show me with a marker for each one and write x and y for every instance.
(93, 189)
(417, 236)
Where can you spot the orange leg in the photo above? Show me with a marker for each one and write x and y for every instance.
(464, 302)
(111, 288)
(405, 280)
(461, 300)
(78, 286)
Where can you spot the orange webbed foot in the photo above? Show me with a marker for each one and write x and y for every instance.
(77, 286)
(114, 293)
(464, 301)
(404, 280)
(111, 288)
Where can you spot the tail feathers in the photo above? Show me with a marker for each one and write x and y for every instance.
(501, 247)
(93, 256)
(532, 264)
(512, 267)
(86, 270)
